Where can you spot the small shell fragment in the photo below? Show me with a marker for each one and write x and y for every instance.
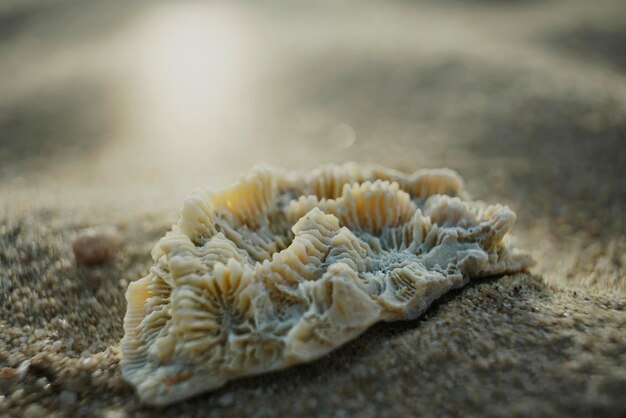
(283, 268)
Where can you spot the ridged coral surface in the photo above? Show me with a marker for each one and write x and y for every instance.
(282, 268)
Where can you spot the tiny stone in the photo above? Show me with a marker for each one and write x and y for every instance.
(379, 397)
(114, 413)
(360, 371)
(42, 382)
(39, 333)
(340, 413)
(226, 400)
(88, 363)
(8, 373)
(18, 394)
(95, 245)
(67, 399)
(22, 370)
(77, 383)
(34, 411)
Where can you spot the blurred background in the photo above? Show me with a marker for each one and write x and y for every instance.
(112, 112)
(129, 106)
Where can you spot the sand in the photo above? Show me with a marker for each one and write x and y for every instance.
(525, 99)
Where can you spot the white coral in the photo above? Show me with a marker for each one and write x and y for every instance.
(283, 268)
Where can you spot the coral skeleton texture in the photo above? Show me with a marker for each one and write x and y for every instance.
(282, 268)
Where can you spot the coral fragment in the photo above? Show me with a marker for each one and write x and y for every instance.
(283, 268)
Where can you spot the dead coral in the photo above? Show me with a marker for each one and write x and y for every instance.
(282, 268)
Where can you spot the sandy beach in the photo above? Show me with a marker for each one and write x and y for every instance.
(112, 113)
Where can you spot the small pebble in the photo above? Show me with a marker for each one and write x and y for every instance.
(114, 413)
(8, 373)
(360, 371)
(22, 370)
(340, 413)
(95, 246)
(67, 399)
(34, 411)
(17, 395)
(227, 399)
